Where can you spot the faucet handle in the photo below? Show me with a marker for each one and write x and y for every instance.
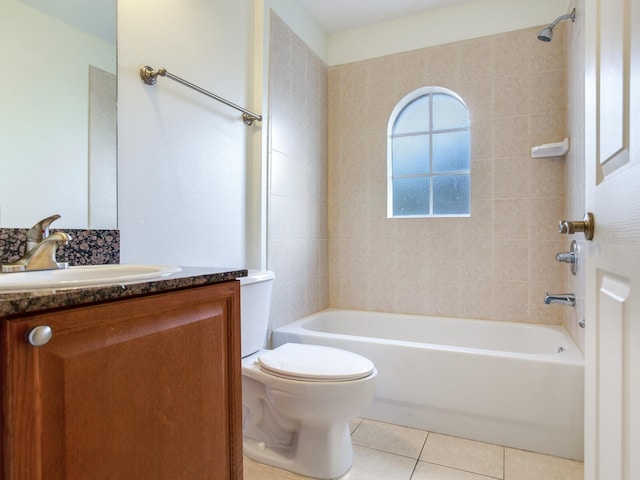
(40, 230)
(566, 257)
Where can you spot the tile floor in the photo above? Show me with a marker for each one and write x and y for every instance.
(389, 452)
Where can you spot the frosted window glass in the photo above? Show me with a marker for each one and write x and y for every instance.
(449, 112)
(414, 117)
(429, 155)
(410, 155)
(451, 151)
(451, 195)
(411, 196)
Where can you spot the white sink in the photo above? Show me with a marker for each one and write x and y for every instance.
(83, 276)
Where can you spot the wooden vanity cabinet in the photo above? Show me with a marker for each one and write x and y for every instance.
(146, 388)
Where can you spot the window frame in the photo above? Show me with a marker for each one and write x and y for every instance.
(398, 109)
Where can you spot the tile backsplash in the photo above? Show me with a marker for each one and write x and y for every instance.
(87, 247)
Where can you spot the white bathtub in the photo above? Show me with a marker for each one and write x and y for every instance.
(508, 383)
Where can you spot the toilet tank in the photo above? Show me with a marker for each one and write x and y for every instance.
(255, 304)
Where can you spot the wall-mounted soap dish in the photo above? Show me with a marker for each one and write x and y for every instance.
(557, 149)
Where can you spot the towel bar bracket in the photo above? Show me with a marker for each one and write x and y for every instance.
(149, 75)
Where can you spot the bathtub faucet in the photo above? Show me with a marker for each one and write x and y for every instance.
(568, 299)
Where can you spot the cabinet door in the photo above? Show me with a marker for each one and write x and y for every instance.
(146, 388)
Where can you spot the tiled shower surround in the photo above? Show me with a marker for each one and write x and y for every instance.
(329, 239)
(297, 245)
(496, 264)
(574, 173)
(86, 247)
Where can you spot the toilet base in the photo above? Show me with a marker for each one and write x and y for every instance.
(319, 452)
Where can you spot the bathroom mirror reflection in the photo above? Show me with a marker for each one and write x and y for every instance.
(58, 120)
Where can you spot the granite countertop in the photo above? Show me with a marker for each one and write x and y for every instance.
(16, 303)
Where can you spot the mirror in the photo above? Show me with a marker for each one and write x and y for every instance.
(57, 113)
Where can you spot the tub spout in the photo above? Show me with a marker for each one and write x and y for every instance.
(568, 299)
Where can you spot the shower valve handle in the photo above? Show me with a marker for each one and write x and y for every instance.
(566, 257)
(570, 257)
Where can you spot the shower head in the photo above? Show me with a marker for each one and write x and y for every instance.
(546, 34)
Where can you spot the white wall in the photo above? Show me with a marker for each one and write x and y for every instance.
(302, 24)
(460, 22)
(182, 157)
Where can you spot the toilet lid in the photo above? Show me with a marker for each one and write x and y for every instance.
(315, 363)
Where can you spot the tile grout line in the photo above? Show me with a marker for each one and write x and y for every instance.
(415, 466)
(504, 462)
(385, 451)
(354, 430)
(463, 470)
(423, 450)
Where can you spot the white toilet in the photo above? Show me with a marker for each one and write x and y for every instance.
(297, 399)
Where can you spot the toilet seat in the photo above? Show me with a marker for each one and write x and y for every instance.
(314, 363)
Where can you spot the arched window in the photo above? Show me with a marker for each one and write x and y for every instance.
(428, 164)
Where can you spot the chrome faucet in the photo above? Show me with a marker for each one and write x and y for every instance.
(43, 256)
(41, 249)
(568, 299)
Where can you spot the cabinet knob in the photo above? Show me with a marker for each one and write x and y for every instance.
(39, 335)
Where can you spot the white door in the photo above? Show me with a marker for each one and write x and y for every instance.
(612, 148)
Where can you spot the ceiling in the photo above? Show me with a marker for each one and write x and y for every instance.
(340, 15)
(98, 16)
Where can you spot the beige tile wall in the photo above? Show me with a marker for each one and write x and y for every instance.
(297, 239)
(574, 173)
(498, 263)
